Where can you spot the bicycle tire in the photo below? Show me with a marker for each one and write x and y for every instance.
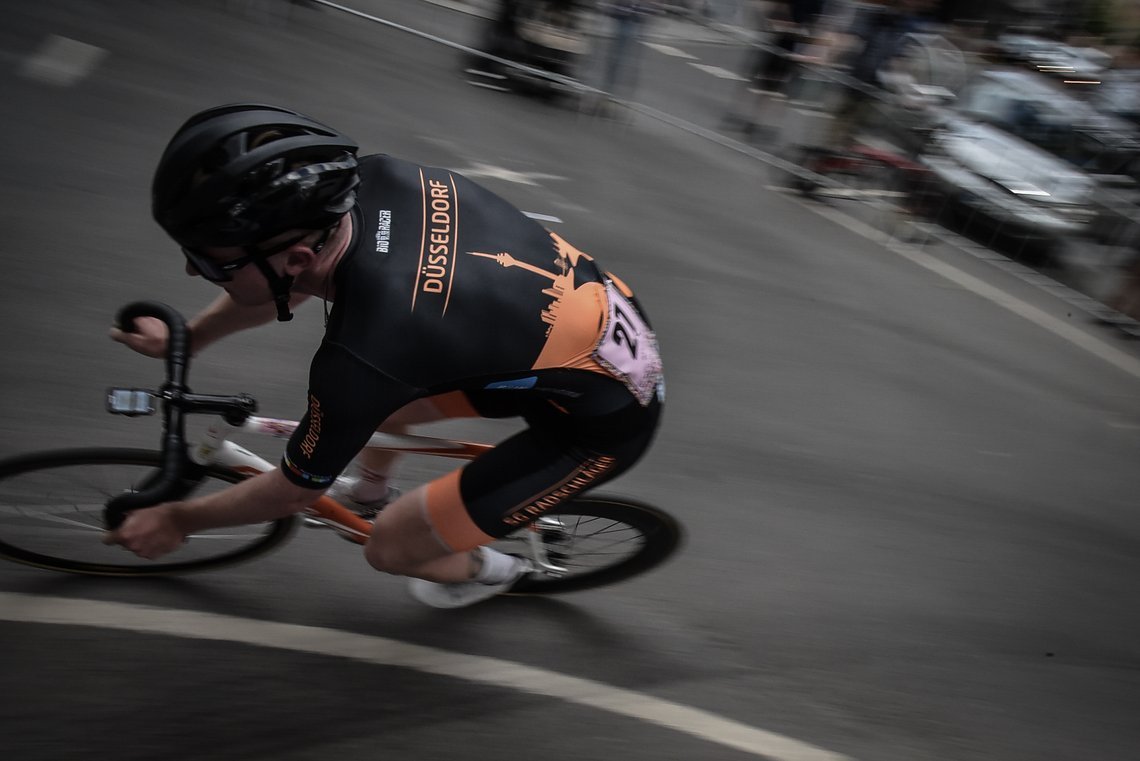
(51, 516)
(597, 525)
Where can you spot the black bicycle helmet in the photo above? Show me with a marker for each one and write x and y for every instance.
(239, 174)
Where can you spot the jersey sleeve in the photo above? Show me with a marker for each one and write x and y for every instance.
(348, 399)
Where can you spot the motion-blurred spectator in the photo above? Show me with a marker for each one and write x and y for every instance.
(621, 57)
(879, 31)
(788, 27)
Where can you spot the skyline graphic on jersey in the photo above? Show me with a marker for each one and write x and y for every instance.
(575, 315)
(562, 280)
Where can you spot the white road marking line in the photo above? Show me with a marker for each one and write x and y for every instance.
(541, 217)
(718, 71)
(487, 74)
(1078, 338)
(386, 652)
(487, 86)
(457, 6)
(491, 171)
(814, 113)
(670, 50)
(845, 192)
(62, 61)
(840, 192)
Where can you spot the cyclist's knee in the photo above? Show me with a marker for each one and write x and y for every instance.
(386, 557)
(397, 553)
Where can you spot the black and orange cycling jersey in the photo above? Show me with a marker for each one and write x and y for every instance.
(446, 287)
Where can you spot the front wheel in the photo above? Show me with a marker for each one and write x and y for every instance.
(51, 515)
(594, 541)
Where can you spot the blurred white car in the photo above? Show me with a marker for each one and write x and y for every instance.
(1044, 113)
(988, 175)
(1071, 64)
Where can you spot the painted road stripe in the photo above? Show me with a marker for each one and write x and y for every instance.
(491, 171)
(669, 50)
(541, 217)
(62, 61)
(387, 652)
(718, 71)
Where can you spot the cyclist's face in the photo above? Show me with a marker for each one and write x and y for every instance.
(233, 267)
(213, 264)
(239, 276)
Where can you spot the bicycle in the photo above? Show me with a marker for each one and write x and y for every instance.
(859, 172)
(56, 505)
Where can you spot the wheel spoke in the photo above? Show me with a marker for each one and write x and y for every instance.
(597, 541)
(51, 515)
(49, 518)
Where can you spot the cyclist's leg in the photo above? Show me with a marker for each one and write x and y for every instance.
(377, 465)
(429, 533)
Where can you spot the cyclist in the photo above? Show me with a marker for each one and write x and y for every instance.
(446, 302)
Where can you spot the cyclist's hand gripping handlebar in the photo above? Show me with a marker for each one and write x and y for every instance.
(163, 485)
(176, 475)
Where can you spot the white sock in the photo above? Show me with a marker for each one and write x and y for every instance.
(496, 567)
(370, 487)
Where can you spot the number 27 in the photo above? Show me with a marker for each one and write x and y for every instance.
(622, 334)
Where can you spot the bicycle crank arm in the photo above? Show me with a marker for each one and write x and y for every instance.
(537, 540)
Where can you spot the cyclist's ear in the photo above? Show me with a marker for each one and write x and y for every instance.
(298, 258)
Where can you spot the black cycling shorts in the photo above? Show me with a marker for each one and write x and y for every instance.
(557, 457)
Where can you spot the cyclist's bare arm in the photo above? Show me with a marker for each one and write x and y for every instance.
(155, 531)
(265, 497)
(222, 317)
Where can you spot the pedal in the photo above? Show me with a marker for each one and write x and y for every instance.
(552, 529)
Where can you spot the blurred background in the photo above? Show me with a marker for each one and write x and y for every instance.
(890, 250)
(1013, 123)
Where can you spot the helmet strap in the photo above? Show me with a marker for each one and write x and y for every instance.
(279, 286)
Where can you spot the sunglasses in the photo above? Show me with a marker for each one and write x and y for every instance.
(222, 272)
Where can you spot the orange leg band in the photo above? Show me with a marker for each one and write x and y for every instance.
(448, 518)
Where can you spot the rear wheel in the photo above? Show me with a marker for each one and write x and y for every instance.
(51, 515)
(595, 541)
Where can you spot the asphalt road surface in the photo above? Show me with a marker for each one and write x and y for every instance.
(909, 478)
